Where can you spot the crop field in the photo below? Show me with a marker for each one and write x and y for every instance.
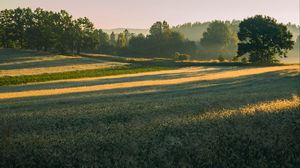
(17, 63)
(200, 116)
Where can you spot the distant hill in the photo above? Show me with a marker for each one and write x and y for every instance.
(120, 30)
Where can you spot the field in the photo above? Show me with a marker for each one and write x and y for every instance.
(200, 116)
(17, 63)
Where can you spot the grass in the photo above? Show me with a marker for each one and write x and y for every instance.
(238, 121)
(228, 115)
(18, 62)
(38, 63)
(129, 69)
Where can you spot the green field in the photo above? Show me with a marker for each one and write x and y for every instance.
(201, 84)
(200, 116)
(15, 63)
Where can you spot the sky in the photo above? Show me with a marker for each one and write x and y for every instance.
(107, 14)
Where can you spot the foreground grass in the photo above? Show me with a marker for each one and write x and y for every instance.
(130, 69)
(250, 121)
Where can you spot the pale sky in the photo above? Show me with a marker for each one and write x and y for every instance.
(141, 13)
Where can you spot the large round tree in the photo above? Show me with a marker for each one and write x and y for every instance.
(263, 38)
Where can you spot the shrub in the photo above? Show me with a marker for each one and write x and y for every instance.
(235, 59)
(181, 57)
(244, 60)
(221, 59)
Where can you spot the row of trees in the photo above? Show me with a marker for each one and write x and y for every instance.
(58, 31)
(47, 30)
(260, 37)
(220, 38)
(162, 41)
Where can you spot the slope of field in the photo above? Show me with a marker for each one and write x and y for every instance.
(16, 63)
(190, 117)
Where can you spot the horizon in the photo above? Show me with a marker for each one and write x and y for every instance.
(143, 14)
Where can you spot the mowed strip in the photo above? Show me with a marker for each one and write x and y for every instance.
(57, 69)
(211, 76)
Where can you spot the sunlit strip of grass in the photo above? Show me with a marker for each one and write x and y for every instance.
(128, 69)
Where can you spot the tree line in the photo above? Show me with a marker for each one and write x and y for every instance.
(44, 30)
(58, 31)
(220, 38)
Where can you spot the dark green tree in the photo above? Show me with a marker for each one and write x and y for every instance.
(84, 36)
(7, 28)
(138, 45)
(263, 38)
(103, 43)
(156, 30)
(22, 19)
(63, 29)
(41, 34)
(162, 41)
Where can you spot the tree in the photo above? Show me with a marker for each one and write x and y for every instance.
(103, 41)
(128, 36)
(6, 28)
(156, 30)
(58, 31)
(42, 34)
(162, 42)
(121, 42)
(63, 31)
(263, 38)
(21, 19)
(138, 45)
(112, 39)
(85, 39)
(218, 40)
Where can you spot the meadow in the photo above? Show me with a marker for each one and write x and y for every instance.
(222, 92)
(188, 115)
(26, 62)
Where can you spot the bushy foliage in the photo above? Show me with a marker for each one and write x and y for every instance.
(58, 31)
(219, 39)
(221, 59)
(162, 41)
(244, 60)
(48, 30)
(262, 38)
(182, 57)
(235, 59)
(195, 31)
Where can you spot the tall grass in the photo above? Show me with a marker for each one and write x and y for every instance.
(250, 121)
